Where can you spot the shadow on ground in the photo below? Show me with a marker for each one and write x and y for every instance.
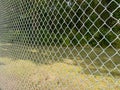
(95, 61)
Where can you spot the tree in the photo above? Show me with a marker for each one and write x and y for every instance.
(70, 22)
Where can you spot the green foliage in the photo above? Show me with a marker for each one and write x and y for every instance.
(61, 23)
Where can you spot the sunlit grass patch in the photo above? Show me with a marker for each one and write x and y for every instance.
(59, 75)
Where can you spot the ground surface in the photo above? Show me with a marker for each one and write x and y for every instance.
(26, 75)
(24, 71)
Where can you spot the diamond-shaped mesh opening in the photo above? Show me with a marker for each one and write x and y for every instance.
(112, 6)
(99, 8)
(105, 15)
(59, 44)
(116, 13)
(111, 22)
(93, 16)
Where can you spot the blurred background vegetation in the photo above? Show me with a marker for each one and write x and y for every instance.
(68, 23)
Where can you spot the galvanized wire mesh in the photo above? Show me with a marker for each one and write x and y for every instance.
(60, 44)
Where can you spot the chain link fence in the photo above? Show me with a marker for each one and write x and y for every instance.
(59, 44)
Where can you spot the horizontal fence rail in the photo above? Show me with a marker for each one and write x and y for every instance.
(59, 44)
